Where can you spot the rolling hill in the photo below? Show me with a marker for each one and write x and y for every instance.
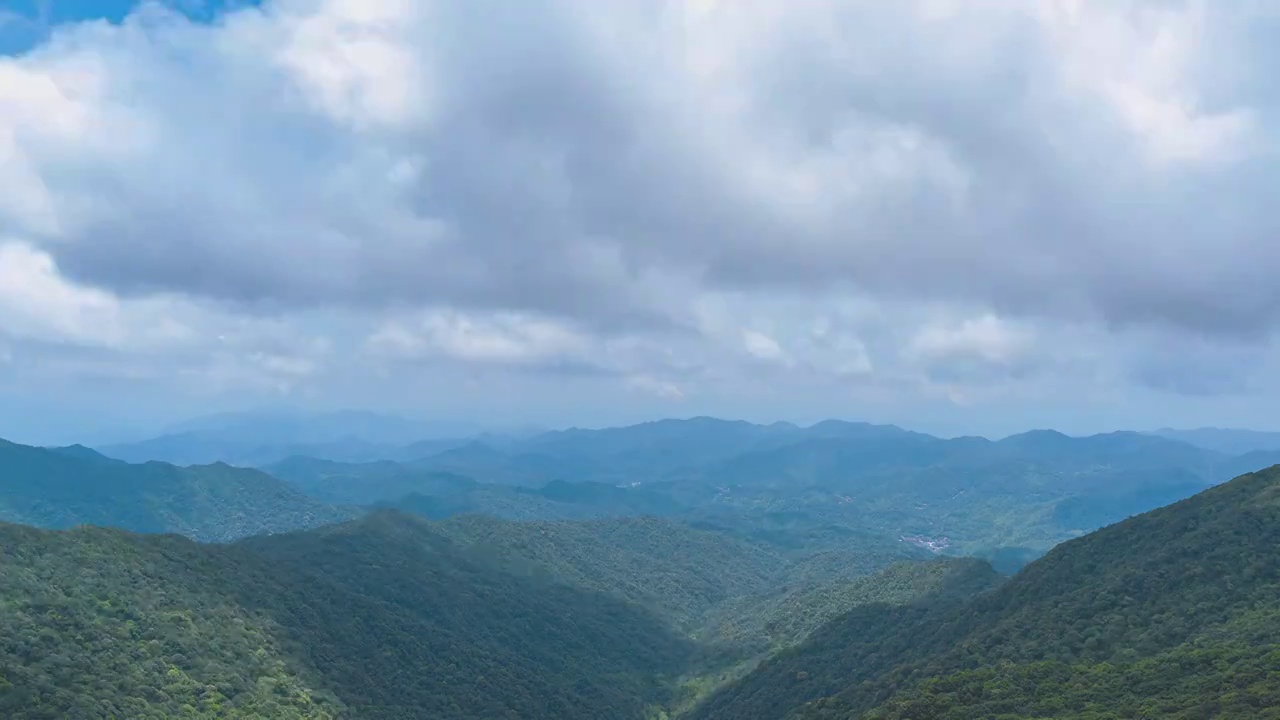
(391, 616)
(676, 570)
(1168, 614)
(1007, 500)
(379, 618)
(65, 487)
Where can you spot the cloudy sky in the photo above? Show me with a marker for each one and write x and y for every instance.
(956, 216)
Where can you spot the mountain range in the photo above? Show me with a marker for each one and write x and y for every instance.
(700, 569)
(1169, 614)
(1013, 497)
(253, 438)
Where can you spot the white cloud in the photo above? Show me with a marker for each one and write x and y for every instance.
(38, 303)
(986, 337)
(1143, 62)
(653, 386)
(504, 338)
(858, 199)
(356, 60)
(762, 346)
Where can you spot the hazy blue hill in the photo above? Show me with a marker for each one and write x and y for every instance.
(869, 431)
(609, 499)
(365, 483)
(638, 453)
(61, 489)
(975, 496)
(262, 437)
(1171, 612)
(1012, 497)
(511, 466)
(557, 500)
(1249, 462)
(194, 448)
(282, 427)
(438, 494)
(695, 439)
(381, 618)
(1229, 441)
(1125, 448)
(82, 452)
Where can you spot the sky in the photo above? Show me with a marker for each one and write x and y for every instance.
(958, 217)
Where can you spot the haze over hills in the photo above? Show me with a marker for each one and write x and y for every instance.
(65, 487)
(1021, 494)
(253, 438)
(1007, 500)
(1230, 441)
(392, 616)
(650, 360)
(751, 568)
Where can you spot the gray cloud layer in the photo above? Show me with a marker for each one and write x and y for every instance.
(903, 198)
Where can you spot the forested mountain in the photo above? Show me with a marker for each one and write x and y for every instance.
(1006, 500)
(791, 611)
(379, 618)
(64, 487)
(394, 617)
(797, 579)
(677, 570)
(1171, 614)
(439, 494)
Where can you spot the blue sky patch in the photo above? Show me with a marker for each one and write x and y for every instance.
(26, 23)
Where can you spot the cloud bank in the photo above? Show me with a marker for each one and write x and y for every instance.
(648, 207)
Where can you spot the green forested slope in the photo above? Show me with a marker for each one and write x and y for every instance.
(678, 570)
(1143, 606)
(106, 624)
(788, 615)
(65, 487)
(379, 618)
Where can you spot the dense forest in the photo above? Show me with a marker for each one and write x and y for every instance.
(380, 618)
(584, 599)
(1153, 615)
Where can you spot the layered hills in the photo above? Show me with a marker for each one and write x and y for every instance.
(1006, 500)
(1170, 614)
(684, 568)
(65, 487)
(379, 618)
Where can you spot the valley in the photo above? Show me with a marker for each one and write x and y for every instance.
(703, 569)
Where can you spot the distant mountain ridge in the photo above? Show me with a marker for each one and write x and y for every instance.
(1030, 490)
(65, 487)
(1007, 498)
(723, 569)
(1230, 441)
(255, 438)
